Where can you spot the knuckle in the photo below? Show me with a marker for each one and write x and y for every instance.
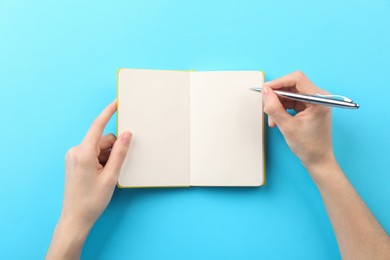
(71, 154)
(299, 74)
(83, 158)
(270, 109)
(78, 155)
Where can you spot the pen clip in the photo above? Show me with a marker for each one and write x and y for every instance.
(334, 97)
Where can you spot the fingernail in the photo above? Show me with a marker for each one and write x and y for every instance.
(126, 136)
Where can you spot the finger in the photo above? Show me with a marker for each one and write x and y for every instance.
(96, 130)
(103, 157)
(271, 123)
(118, 155)
(296, 105)
(274, 108)
(296, 80)
(106, 142)
(286, 81)
(299, 106)
(288, 104)
(105, 145)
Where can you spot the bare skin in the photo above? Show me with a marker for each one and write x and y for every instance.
(92, 171)
(309, 136)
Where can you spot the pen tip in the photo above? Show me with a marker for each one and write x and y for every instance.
(255, 89)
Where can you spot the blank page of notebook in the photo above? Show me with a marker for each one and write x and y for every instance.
(226, 129)
(154, 106)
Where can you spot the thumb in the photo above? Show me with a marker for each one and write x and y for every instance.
(118, 154)
(273, 108)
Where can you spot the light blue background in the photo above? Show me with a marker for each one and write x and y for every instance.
(58, 63)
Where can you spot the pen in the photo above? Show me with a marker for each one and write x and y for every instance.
(326, 100)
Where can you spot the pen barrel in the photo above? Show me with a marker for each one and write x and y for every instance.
(317, 100)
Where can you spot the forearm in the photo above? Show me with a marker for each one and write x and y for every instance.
(68, 240)
(358, 233)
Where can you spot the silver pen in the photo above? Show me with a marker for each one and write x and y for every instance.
(326, 100)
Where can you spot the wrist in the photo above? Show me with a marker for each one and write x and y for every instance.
(323, 170)
(73, 228)
(68, 239)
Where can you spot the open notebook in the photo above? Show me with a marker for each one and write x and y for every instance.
(191, 128)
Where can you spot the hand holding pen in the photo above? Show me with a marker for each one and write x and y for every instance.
(318, 99)
(308, 133)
